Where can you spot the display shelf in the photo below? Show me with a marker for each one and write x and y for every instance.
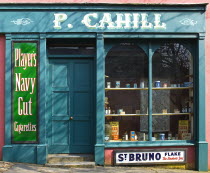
(154, 88)
(155, 114)
(172, 88)
(116, 115)
(107, 89)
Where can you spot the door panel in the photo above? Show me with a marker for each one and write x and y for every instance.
(59, 131)
(60, 101)
(59, 107)
(70, 94)
(82, 132)
(59, 74)
(81, 138)
(81, 99)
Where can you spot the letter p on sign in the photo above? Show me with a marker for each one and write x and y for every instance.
(59, 17)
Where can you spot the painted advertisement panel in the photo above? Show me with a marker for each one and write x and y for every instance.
(25, 105)
(134, 157)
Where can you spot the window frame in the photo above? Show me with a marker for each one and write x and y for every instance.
(150, 46)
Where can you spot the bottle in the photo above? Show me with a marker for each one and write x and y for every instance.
(126, 135)
(106, 110)
(189, 109)
(109, 111)
(183, 110)
(136, 137)
(169, 136)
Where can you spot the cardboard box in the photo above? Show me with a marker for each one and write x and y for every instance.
(186, 136)
(164, 111)
(183, 128)
(115, 130)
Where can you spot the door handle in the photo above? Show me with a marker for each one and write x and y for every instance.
(71, 118)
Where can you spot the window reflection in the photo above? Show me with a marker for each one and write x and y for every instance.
(126, 93)
(126, 68)
(172, 92)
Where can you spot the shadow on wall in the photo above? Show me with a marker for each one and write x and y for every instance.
(2, 79)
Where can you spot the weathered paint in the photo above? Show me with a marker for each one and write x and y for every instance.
(2, 64)
(190, 156)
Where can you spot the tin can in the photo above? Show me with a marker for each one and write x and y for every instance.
(161, 136)
(165, 85)
(157, 84)
(141, 84)
(120, 111)
(169, 136)
(153, 138)
(117, 84)
(132, 135)
(128, 85)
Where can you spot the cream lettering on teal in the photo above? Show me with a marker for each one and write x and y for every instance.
(115, 21)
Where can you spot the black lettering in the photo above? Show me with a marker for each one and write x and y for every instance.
(144, 156)
(158, 156)
(131, 157)
(125, 156)
(138, 156)
(120, 157)
(151, 156)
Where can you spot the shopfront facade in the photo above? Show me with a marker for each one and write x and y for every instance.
(125, 83)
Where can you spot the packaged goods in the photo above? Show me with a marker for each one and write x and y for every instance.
(132, 135)
(115, 130)
(183, 128)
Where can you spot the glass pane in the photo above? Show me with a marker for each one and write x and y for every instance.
(72, 50)
(126, 94)
(172, 93)
(71, 47)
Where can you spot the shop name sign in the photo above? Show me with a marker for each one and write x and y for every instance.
(149, 157)
(24, 92)
(113, 21)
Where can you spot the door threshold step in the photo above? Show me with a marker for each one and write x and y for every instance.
(72, 165)
(61, 158)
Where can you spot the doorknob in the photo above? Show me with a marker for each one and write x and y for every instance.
(71, 118)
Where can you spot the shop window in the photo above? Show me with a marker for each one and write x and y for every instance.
(172, 94)
(127, 99)
(126, 94)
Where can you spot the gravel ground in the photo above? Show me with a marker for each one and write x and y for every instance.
(4, 166)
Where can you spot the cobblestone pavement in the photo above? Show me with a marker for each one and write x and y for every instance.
(8, 167)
